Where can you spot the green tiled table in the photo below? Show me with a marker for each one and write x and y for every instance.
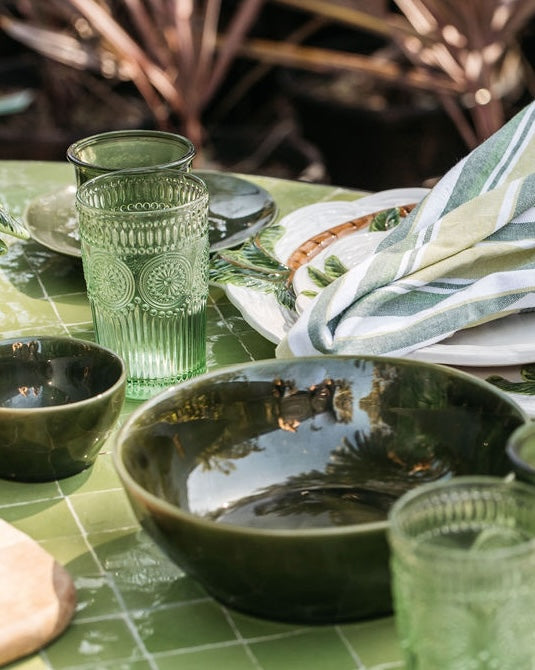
(136, 610)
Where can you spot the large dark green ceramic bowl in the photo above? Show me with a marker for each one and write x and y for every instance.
(270, 482)
(59, 399)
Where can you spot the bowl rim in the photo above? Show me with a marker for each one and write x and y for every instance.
(120, 381)
(161, 505)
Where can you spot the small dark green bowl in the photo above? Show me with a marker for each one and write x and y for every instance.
(270, 482)
(59, 399)
(521, 451)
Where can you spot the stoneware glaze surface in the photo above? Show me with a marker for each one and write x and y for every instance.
(59, 399)
(270, 483)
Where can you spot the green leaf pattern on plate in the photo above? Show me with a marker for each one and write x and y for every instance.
(11, 226)
(249, 266)
(525, 387)
(254, 264)
(386, 220)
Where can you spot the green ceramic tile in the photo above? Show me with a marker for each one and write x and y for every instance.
(257, 345)
(101, 476)
(13, 493)
(27, 179)
(251, 627)
(226, 309)
(232, 658)
(315, 649)
(82, 331)
(59, 274)
(42, 520)
(33, 663)
(216, 294)
(95, 597)
(15, 265)
(375, 641)
(64, 275)
(27, 314)
(93, 510)
(186, 626)
(144, 576)
(73, 308)
(225, 350)
(94, 592)
(93, 642)
(131, 405)
(237, 324)
(73, 553)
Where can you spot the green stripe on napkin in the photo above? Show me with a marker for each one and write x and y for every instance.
(464, 256)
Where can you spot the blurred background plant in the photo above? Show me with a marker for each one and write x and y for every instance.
(168, 49)
(257, 73)
(467, 54)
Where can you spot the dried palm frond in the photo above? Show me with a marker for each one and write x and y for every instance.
(465, 53)
(172, 50)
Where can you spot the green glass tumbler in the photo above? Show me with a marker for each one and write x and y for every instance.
(144, 240)
(129, 149)
(463, 574)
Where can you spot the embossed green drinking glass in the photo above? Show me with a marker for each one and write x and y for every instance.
(129, 149)
(144, 240)
(463, 574)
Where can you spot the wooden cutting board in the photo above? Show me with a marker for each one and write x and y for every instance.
(37, 595)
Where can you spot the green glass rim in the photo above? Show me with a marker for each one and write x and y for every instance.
(137, 173)
(74, 150)
(514, 448)
(438, 553)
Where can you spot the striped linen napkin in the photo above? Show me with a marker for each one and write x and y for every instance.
(464, 256)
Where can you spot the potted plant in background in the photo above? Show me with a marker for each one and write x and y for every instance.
(463, 58)
(453, 69)
(174, 52)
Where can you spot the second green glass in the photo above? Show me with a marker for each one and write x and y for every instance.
(129, 149)
(463, 573)
(145, 256)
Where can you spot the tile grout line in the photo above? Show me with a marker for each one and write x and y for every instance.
(231, 331)
(36, 501)
(184, 651)
(46, 296)
(352, 652)
(241, 639)
(125, 612)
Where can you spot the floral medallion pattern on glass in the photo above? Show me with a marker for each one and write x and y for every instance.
(164, 280)
(111, 280)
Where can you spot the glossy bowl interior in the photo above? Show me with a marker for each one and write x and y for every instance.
(270, 483)
(59, 399)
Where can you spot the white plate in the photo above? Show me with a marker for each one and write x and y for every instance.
(306, 222)
(506, 341)
(503, 342)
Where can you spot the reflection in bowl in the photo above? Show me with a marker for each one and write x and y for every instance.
(59, 399)
(270, 483)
